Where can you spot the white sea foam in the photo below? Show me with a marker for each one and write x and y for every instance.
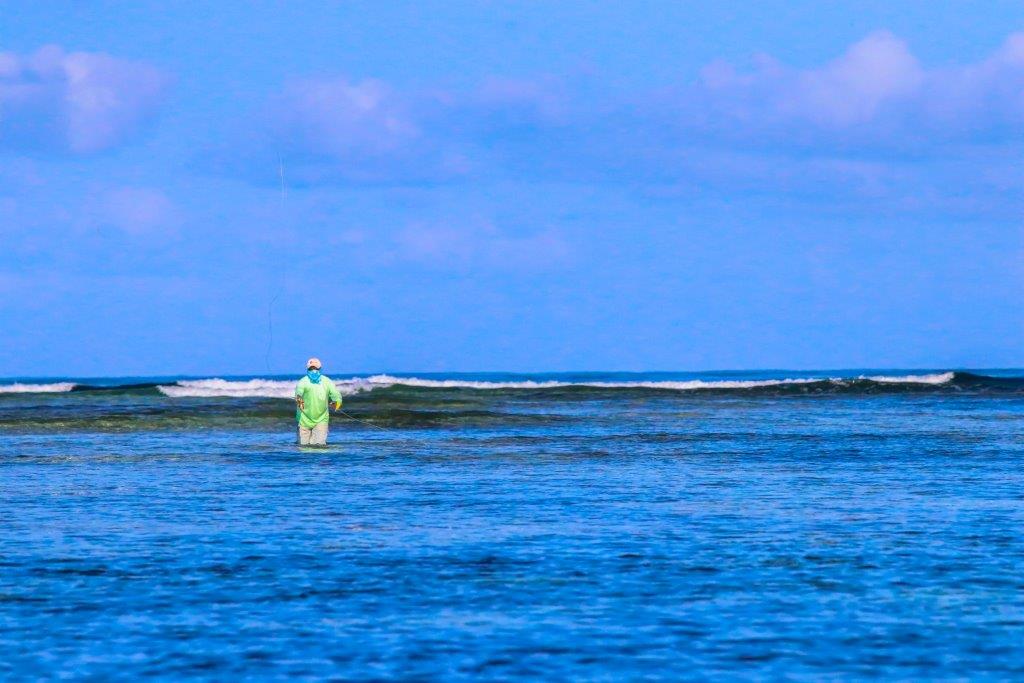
(284, 389)
(267, 388)
(19, 388)
(388, 380)
(253, 388)
(937, 378)
(222, 387)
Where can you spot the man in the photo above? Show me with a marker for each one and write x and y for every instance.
(311, 397)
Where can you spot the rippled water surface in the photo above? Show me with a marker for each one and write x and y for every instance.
(503, 533)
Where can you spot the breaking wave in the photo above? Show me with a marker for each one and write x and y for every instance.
(253, 388)
(284, 388)
(937, 378)
(268, 388)
(683, 385)
(52, 388)
(206, 388)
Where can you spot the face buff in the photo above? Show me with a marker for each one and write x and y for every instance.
(314, 376)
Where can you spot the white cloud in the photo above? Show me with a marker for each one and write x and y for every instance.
(77, 102)
(362, 132)
(479, 243)
(136, 211)
(852, 89)
(341, 117)
(876, 93)
(873, 122)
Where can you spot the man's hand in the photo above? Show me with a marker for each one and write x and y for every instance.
(299, 402)
(337, 406)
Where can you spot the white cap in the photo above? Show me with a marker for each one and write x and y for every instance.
(313, 363)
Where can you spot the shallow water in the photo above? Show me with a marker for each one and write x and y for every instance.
(515, 533)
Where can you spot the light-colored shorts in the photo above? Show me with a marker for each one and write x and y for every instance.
(317, 436)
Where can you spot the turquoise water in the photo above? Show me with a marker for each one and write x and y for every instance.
(517, 527)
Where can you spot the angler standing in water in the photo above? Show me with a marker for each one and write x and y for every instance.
(312, 394)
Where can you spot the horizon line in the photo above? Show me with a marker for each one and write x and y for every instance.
(394, 373)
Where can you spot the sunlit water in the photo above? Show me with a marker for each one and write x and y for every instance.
(512, 534)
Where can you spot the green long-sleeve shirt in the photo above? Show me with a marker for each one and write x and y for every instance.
(315, 399)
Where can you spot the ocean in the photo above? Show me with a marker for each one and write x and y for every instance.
(588, 526)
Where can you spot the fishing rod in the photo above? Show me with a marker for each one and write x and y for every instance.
(270, 306)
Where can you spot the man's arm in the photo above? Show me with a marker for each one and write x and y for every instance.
(298, 397)
(334, 395)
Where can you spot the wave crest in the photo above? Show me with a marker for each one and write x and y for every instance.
(253, 388)
(937, 378)
(679, 385)
(52, 388)
(267, 388)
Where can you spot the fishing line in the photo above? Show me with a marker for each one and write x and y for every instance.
(362, 421)
(280, 286)
(270, 329)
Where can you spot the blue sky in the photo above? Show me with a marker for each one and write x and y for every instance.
(510, 186)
